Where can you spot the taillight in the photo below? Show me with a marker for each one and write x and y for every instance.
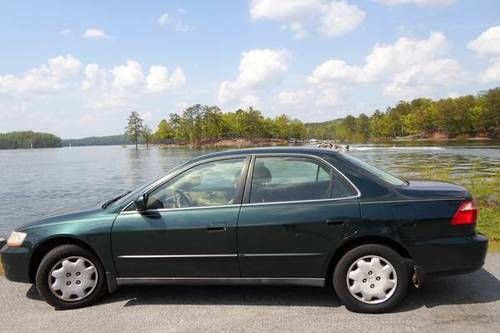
(465, 214)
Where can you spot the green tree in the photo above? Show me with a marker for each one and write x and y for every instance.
(363, 127)
(297, 130)
(492, 113)
(282, 124)
(147, 135)
(134, 128)
(164, 132)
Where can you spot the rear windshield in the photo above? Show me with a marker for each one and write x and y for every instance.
(385, 176)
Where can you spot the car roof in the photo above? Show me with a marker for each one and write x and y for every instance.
(268, 150)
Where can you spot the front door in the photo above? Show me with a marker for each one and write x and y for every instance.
(293, 217)
(189, 228)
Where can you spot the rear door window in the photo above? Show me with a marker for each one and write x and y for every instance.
(281, 179)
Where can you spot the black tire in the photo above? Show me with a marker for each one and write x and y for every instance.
(340, 282)
(53, 257)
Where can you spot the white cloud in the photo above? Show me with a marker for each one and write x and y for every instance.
(321, 96)
(340, 18)
(408, 68)
(95, 34)
(158, 79)
(422, 79)
(491, 73)
(258, 69)
(178, 78)
(291, 97)
(336, 70)
(284, 10)
(487, 45)
(175, 21)
(331, 19)
(63, 93)
(330, 96)
(417, 2)
(94, 78)
(109, 88)
(129, 76)
(47, 78)
(261, 66)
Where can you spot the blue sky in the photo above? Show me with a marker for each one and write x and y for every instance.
(77, 68)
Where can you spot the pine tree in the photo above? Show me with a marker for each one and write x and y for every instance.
(134, 128)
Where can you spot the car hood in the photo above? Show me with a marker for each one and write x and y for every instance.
(79, 216)
(434, 189)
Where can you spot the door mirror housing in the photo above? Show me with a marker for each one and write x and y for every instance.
(141, 203)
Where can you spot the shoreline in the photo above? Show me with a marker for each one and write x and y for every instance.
(242, 143)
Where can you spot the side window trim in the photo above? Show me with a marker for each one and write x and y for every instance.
(333, 171)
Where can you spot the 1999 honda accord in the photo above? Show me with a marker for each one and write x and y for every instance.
(259, 216)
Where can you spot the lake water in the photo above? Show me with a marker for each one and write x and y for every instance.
(39, 182)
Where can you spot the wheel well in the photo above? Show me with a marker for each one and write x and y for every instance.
(361, 241)
(50, 244)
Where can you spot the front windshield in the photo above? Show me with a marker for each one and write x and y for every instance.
(129, 197)
(385, 176)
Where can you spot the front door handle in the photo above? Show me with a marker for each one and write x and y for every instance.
(335, 221)
(217, 227)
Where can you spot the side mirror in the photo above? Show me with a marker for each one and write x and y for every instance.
(141, 203)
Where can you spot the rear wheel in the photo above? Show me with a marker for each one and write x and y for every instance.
(70, 277)
(371, 278)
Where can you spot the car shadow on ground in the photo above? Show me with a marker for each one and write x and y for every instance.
(478, 287)
(475, 288)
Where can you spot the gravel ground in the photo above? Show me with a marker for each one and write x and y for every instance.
(453, 304)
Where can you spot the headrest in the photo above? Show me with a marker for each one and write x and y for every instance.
(261, 175)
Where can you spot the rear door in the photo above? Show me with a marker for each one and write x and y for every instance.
(294, 212)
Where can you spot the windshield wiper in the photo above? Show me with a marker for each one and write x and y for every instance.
(109, 202)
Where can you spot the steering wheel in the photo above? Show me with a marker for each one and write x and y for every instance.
(181, 199)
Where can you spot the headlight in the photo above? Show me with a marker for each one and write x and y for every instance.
(16, 238)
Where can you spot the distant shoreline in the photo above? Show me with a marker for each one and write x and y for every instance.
(242, 143)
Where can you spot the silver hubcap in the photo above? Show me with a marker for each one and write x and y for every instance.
(73, 278)
(372, 279)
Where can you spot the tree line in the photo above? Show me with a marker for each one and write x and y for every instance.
(110, 140)
(28, 139)
(462, 116)
(457, 117)
(203, 123)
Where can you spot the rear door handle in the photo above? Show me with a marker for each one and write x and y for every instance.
(335, 221)
(217, 227)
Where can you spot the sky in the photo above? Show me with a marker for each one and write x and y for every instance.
(78, 68)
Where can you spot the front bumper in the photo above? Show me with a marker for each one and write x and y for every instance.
(15, 262)
(448, 256)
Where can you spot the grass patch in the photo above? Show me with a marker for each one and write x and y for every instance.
(489, 224)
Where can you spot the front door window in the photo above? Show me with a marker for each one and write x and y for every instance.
(209, 184)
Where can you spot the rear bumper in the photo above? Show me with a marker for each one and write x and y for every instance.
(449, 256)
(15, 263)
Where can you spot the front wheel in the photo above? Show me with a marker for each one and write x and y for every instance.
(371, 278)
(70, 277)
